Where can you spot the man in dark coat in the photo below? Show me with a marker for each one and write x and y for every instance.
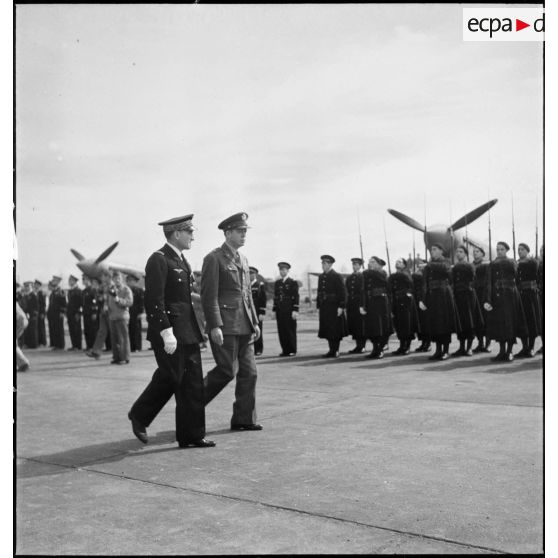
(355, 323)
(479, 283)
(418, 291)
(466, 302)
(41, 298)
(90, 312)
(31, 305)
(506, 319)
(136, 310)
(527, 275)
(332, 299)
(175, 333)
(375, 306)
(232, 322)
(286, 305)
(439, 303)
(404, 309)
(259, 298)
(55, 314)
(73, 313)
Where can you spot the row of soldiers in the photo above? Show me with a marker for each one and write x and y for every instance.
(81, 307)
(500, 300)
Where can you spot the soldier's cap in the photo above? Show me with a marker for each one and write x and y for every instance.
(357, 260)
(183, 223)
(18, 285)
(284, 264)
(132, 276)
(72, 277)
(404, 261)
(253, 269)
(438, 245)
(327, 258)
(28, 283)
(480, 250)
(37, 282)
(504, 244)
(236, 221)
(463, 247)
(524, 246)
(56, 279)
(378, 260)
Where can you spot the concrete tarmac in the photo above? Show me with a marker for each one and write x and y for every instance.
(396, 456)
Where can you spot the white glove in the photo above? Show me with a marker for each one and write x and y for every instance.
(170, 340)
(261, 317)
(422, 306)
(339, 312)
(258, 333)
(217, 336)
(362, 311)
(487, 306)
(294, 315)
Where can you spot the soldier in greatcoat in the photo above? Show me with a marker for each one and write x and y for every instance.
(355, 323)
(259, 297)
(286, 306)
(73, 313)
(375, 306)
(41, 326)
(331, 302)
(479, 283)
(527, 272)
(55, 313)
(31, 305)
(90, 307)
(418, 291)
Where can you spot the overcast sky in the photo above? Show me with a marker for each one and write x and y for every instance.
(299, 115)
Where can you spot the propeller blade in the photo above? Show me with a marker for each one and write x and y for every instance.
(407, 220)
(106, 253)
(77, 254)
(472, 215)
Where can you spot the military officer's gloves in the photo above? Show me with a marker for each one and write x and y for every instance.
(261, 317)
(217, 336)
(294, 315)
(169, 339)
(422, 306)
(487, 306)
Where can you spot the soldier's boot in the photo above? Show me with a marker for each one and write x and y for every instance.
(468, 350)
(438, 353)
(399, 350)
(531, 348)
(480, 345)
(420, 348)
(487, 348)
(445, 351)
(502, 354)
(427, 346)
(524, 348)
(461, 350)
(509, 356)
(407, 347)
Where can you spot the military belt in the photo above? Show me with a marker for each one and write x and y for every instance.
(505, 284)
(460, 287)
(438, 284)
(527, 285)
(402, 293)
(380, 291)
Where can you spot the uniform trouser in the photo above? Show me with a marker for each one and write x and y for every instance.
(286, 328)
(334, 344)
(104, 329)
(51, 330)
(119, 339)
(258, 345)
(134, 331)
(90, 327)
(41, 330)
(57, 333)
(235, 358)
(179, 374)
(74, 327)
(31, 335)
(20, 357)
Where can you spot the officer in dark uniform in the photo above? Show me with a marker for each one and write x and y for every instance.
(41, 298)
(55, 313)
(286, 302)
(73, 313)
(506, 319)
(31, 305)
(481, 278)
(332, 300)
(355, 323)
(174, 330)
(527, 274)
(90, 312)
(439, 303)
(418, 291)
(466, 302)
(375, 306)
(259, 298)
(136, 310)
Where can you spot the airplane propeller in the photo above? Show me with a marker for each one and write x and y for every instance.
(105, 254)
(407, 220)
(77, 254)
(471, 216)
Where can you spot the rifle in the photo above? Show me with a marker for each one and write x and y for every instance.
(513, 231)
(425, 246)
(537, 227)
(360, 236)
(414, 253)
(466, 239)
(489, 238)
(387, 249)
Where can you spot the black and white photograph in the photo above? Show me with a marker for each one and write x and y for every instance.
(279, 278)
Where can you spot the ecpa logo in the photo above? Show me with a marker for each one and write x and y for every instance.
(503, 24)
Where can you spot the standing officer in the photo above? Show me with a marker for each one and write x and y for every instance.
(332, 299)
(506, 319)
(175, 334)
(31, 305)
(439, 303)
(481, 278)
(41, 298)
(232, 322)
(286, 305)
(540, 285)
(136, 310)
(56, 312)
(375, 306)
(418, 291)
(73, 313)
(90, 312)
(259, 298)
(527, 272)
(355, 324)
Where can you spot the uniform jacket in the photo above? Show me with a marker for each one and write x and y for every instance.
(331, 296)
(41, 298)
(259, 296)
(286, 298)
(31, 304)
(168, 297)
(90, 301)
(225, 291)
(118, 305)
(137, 307)
(56, 302)
(75, 301)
